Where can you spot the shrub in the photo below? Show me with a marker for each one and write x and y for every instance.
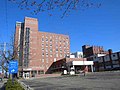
(13, 86)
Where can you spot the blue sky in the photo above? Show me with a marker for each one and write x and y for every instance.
(94, 26)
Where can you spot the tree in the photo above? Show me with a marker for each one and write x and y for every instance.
(7, 53)
(5, 57)
(65, 6)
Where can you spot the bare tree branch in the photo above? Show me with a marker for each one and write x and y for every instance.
(48, 5)
(8, 54)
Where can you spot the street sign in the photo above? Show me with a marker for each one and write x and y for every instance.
(13, 66)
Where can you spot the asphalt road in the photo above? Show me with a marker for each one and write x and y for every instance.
(94, 81)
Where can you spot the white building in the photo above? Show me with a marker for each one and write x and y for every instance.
(77, 54)
(79, 65)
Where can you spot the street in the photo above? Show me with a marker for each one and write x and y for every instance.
(92, 81)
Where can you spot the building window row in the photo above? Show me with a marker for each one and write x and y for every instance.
(65, 46)
(57, 41)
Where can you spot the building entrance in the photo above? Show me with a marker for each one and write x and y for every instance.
(26, 75)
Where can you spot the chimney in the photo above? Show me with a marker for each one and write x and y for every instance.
(110, 51)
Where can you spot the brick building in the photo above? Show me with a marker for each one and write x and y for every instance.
(103, 60)
(111, 61)
(92, 50)
(68, 63)
(37, 50)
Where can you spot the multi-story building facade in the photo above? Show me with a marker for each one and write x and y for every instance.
(92, 50)
(72, 63)
(110, 61)
(38, 50)
(103, 60)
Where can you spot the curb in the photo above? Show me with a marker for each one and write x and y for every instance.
(26, 87)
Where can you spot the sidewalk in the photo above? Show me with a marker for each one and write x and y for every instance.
(2, 83)
(45, 76)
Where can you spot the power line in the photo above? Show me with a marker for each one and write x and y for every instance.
(6, 12)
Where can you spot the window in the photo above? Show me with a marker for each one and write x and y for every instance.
(47, 66)
(113, 55)
(60, 51)
(42, 45)
(60, 46)
(26, 56)
(46, 39)
(46, 45)
(60, 41)
(57, 50)
(64, 50)
(42, 39)
(46, 60)
(42, 60)
(42, 66)
(46, 49)
(107, 63)
(56, 38)
(46, 54)
(50, 50)
(61, 55)
(50, 55)
(34, 72)
(50, 40)
(56, 46)
(42, 54)
(41, 72)
(42, 49)
(66, 43)
(50, 45)
(57, 55)
(65, 55)
(115, 62)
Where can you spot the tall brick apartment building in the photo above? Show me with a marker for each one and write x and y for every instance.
(36, 50)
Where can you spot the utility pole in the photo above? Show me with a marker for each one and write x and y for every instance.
(84, 71)
(4, 47)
